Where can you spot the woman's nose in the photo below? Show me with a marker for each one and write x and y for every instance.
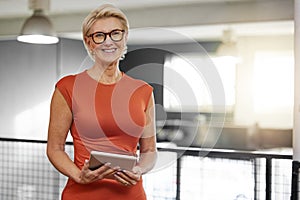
(108, 41)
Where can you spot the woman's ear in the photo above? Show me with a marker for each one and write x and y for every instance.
(87, 41)
(126, 37)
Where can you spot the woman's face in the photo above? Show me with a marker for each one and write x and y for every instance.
(108, 51)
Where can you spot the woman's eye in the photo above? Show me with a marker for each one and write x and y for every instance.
(99, 35)
(116, 33)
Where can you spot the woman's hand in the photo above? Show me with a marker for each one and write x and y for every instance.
(88, 176)
(129, 178)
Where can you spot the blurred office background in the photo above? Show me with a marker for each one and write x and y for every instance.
(240, 139)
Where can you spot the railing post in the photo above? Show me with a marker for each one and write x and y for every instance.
(178, 178)
(296, 127)
(268, 178)
(255, 179)
(295, 180)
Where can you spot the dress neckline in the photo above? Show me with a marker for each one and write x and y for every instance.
(104, 84)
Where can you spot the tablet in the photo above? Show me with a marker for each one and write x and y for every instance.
(98, 158)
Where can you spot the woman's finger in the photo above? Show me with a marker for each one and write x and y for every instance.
(132, 175)
(123, 180)
(88, 175)
(128, 177)
(104, 170)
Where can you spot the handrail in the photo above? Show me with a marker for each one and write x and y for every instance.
(225, 153)
(193, 151)
(28, 140)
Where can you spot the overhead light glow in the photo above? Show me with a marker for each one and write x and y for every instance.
(38, 39)
(38, 29)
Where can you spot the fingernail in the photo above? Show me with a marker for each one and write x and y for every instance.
(116, 175)
(86, 161)
(107, 164)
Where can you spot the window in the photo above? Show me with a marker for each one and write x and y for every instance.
(273, 88)
(186, 85)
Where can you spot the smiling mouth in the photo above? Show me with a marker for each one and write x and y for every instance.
(109, 50)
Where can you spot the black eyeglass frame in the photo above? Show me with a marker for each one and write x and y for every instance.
(107, 34)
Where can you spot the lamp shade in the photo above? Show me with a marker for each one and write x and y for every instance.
(38, 29)
(227, 49)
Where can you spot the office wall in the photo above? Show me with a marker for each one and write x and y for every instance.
(72, 58)
(28, 73)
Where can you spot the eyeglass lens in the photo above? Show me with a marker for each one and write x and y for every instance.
(100, 37)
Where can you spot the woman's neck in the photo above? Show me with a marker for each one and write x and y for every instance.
(107, 75)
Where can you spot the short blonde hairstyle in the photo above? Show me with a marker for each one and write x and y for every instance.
(102, 12)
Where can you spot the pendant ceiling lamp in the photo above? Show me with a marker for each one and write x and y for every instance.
(38, 28)
(228, 46)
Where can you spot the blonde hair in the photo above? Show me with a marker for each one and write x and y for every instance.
(103, 11)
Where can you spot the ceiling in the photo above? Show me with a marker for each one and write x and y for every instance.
(13, 8)
(198, 19)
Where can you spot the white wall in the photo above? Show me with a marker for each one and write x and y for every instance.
(244, 108)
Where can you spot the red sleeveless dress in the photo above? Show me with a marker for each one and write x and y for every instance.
(107, 118)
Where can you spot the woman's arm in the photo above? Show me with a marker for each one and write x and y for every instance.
(59, 125)
(148, 151)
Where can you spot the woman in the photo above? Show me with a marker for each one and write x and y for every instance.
(105, 110)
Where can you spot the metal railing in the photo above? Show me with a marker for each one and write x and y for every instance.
(295, 180)
(30, 155)
(230, 154)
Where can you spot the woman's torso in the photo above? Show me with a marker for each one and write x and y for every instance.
(106, 118)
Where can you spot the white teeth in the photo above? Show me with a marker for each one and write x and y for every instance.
(109, 50)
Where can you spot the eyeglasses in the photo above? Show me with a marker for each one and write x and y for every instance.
(115, 35)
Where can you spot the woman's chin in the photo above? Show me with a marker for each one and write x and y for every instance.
(109, 56)
(107, 61)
